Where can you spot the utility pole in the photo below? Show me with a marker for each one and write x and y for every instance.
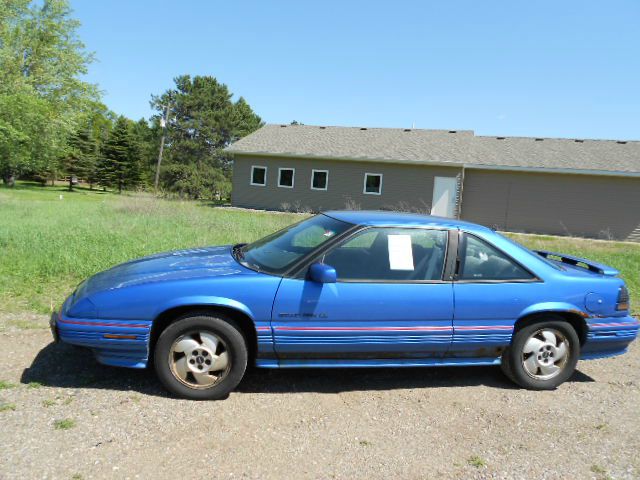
(163, 124)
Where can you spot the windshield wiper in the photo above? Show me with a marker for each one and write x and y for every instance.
(237, 252)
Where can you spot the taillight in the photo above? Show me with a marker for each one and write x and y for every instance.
(623, 299)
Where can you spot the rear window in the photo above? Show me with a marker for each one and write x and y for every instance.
(481, 261)
(551, 263)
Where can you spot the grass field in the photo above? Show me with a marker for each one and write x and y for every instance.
(49, 244)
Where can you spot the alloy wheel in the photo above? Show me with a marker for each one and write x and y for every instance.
(545, 354)
(199, 359)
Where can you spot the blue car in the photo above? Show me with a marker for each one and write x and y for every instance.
(352, 289)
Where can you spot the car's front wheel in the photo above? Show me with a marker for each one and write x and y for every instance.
(201, 357)
(542, 355)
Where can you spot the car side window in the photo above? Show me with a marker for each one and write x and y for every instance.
(390, 254)
(480, 261)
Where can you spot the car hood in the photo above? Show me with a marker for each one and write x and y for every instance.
(164, 267)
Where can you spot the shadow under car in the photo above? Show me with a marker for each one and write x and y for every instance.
(64, 366)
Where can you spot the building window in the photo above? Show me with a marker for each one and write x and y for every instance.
(285, 177)
(319, 179)
(372, 184)
(258, 176)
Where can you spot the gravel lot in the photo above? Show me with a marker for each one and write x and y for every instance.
(408, 423)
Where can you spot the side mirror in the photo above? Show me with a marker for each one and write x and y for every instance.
(322, 273)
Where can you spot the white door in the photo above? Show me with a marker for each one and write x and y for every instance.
(444, 196)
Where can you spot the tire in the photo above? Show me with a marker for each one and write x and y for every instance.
(505, 365)
(201, 357)
(542, 355)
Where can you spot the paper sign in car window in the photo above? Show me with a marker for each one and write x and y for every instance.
(400, 252)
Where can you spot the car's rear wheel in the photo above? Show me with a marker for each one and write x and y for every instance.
(201, 357)
(543, 355)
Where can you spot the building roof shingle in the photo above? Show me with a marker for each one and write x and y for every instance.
(442, 147)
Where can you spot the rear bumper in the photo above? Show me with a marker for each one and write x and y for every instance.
(121, 343)
(610, 336)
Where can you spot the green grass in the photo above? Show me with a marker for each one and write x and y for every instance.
(476, 461)
(27, 325)
(49, 244)
(64, 424)
(624, 256)
(7, 407)
(4, 385)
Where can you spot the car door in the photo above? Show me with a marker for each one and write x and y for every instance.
(389, 300)
(491, 290)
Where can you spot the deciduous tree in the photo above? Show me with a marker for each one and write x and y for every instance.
(42, 95)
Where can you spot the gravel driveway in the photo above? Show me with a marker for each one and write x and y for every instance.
(64, 416)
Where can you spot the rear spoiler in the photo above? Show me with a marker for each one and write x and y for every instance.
(579, 262)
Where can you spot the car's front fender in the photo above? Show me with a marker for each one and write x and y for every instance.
(204, 300)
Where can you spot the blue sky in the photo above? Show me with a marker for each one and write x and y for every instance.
(543, 68)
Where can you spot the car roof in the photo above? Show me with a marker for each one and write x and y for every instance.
(401, 219)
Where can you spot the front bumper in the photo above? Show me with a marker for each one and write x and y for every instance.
(120, 343)
(53, 325)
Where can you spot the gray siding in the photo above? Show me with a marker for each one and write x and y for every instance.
(403, 186)
(577, 205)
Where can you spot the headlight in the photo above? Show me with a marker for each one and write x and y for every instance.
(83, 309)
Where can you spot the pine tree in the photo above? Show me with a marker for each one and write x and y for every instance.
(101, 122)
(133, 168)
(80, 157)
(114, 164)
(102, 175)
(148, 140)
(203, 120)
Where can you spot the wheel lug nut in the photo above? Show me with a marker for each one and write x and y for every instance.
(200, 367)
(192, 361)
(208, 362)
(204, 353)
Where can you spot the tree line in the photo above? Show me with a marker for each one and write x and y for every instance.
(54, 126)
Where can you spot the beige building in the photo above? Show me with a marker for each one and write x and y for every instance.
(574, 187)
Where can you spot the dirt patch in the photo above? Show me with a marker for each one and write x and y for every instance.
(63, 415)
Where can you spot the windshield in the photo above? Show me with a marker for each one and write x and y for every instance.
(277, 252)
